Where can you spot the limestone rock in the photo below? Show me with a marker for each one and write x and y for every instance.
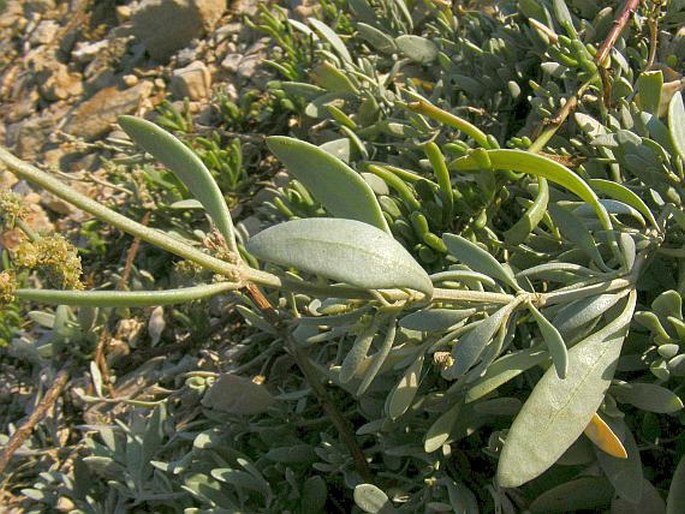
(59, 83)
(193, 81)
(94, 117)
(165, 26)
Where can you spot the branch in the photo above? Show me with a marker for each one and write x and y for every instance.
(23, 433)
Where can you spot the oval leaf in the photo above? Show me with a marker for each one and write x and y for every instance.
(585, 493)
(648, 397)
(417, 48)
(558, 411)
(341, 190)
(372, 500)
(625, 474)
(357, 354)
(237, 395)
(379, 358)
(187, 166)
(341, 249)
(439, 432)
(431, 320)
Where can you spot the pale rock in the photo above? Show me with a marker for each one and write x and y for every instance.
(86, 52)
(231, 62)
(165, 26)
(45, 33)
(129, 80)
(28, 136)
(194, 81)
(94, 117)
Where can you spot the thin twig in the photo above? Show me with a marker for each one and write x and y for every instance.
(22, 434)
(310, 374)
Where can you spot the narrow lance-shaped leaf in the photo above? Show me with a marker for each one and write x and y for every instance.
(558, 411)
(346, 250)
(403, 394)
(439, 431)
(379, 358)
(520, 231)
(623, 194)
(341, 190)
(604, 438)
(553, 340)
(574, 230)
(625, 474)
(358, 352)
(478, 259)
(648, 397)
(187, 166)
(539, 166)
(469, 347)
(327, 33)
(676, 124)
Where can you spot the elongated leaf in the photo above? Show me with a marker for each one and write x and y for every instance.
(622, 194)
(585, 493)
(649, 85)
(649, 397)
(439, 431)
(553, 340)
(341, 190)
(356, 355)
(379, 358)
(520, 231)
(400, 398)
(329, 35)
(676, 124)
(430, 320)
(238, 395)
(574, 230)
(651, 502)
(580, 312)
(539, 166)
(558, 411)
(379, 40)
(604, 437)
(469, 347)
(187, 166)
(417, 48)
(504, 369)
(346, 250)
(478, 259)
(625, 474)
(675, 504)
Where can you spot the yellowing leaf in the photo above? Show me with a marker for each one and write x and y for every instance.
(604, 438)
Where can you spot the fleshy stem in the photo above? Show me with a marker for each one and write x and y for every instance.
(240, 274)
(312, 377)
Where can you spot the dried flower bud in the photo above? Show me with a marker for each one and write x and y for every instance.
(54, 258)
(8, 285)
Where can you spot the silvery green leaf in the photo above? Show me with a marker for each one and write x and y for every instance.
(563, 16)
(404, 392)
(417, 48)
(439, 431)
(378, 39)
(624, 474)
(555, 343)
(44, 319)
(431, 320)
(237, 395)
(314, 494)
(379, 357)
(333, 39)
(648, 397)
(469, 347)
(303, 89)
(585, 493)
(340, 189)
(295, 454)
(372, 500)
(341, 249)
(360, 348)
(338, 148)
(623, 194)
(676, 124)
(557, 411)
(675, 504)
(190, 203)
(669, 303)
(332, 80)
(650, 502)
(504, 369)
(590, 126)
(585, 310)
(187, 166)
(255, 320)
(652, 322)
(573, 229)
(478, 259)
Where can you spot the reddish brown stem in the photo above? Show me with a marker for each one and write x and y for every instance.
(310, 374)
(23, 433)
(619, 24)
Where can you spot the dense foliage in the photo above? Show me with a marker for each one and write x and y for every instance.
(468, 297)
